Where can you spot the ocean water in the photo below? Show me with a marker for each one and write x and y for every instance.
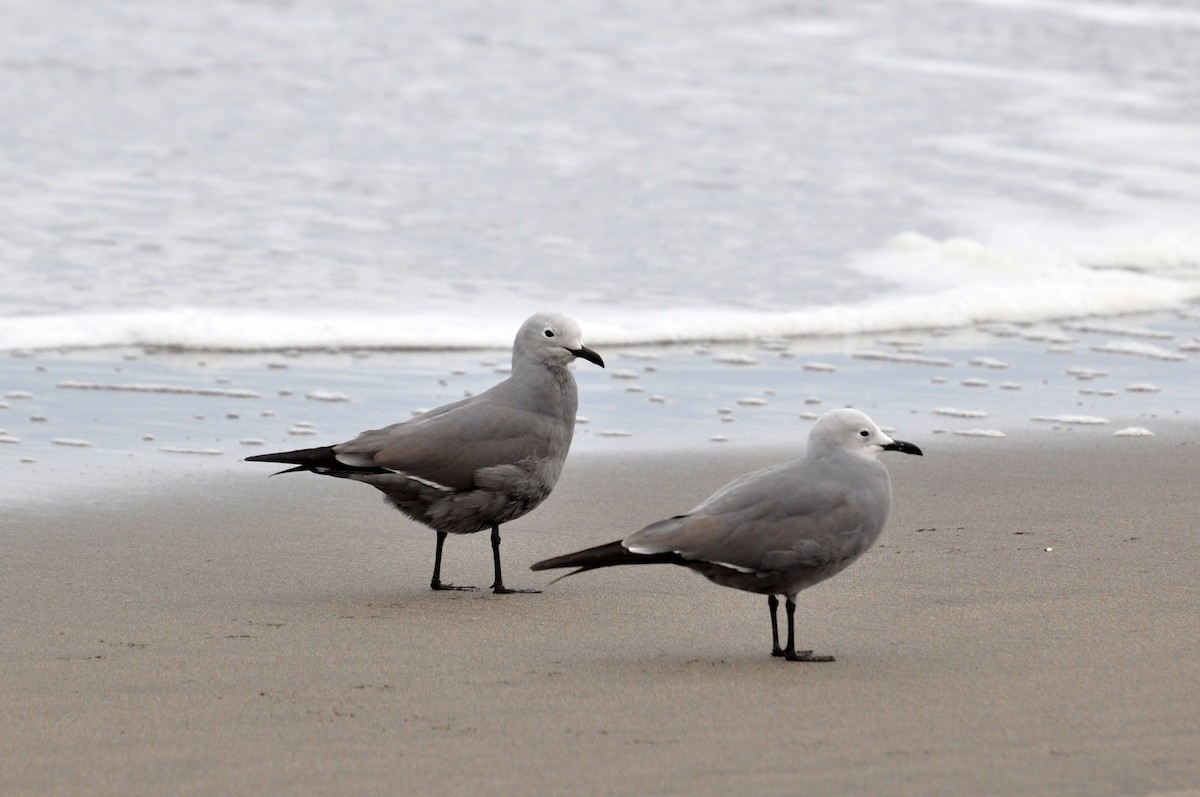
(244, 175)
(974, 218)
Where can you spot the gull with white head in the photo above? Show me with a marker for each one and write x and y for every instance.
(476, 463)
(777, 530)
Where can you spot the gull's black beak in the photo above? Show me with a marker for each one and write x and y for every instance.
(588, 354)
(903, 448)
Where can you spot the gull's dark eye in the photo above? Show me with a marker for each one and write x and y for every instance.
(549, 333)
(864, 433)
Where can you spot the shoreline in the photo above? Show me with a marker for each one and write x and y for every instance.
(244, 635)
(75, 423)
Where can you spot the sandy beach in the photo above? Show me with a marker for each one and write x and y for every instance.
(1029, 624)
(239, 228)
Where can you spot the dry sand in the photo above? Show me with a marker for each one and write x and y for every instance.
(277, 636)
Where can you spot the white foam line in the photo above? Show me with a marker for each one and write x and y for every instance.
(988, 362)
(956, 413)
(899, 357)
(326, 395)
(979, 433)
(171, 389)
(1139, 349)
(1132, 332)
(1083, 420)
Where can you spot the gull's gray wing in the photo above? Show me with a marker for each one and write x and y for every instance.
(784, 517)
(447, 446)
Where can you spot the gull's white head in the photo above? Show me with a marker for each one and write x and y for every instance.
(552, 338)
(853, 432)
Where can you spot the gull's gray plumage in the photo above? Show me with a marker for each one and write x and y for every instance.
(476, 463)
(777, 530)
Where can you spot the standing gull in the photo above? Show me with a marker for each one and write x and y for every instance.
(475, 463)
(777, 530)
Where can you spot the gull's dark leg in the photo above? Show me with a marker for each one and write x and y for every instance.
(790, 652)
(498, 585)
(773, 603)
(436, 582)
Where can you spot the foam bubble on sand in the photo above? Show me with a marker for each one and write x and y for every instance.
(988, 362)
(1189, 346)
(326, 395)
(18, 394)
(1079, 372)
(211, 452)
(68, 441)
(1053, 337)
(1110, 329)
(1140, 349)
(171, 389)
(301, 431)
(1000, 329)
(625, 373)
(1133, 431)
(979, 433)
(957, 413)
(1142, 387)
(899, 357)
(613, 433)
(718, 438)
(1082, 420)
(973, 382)
(1009, 386)
(821, 367)
(7, 438)
(901, 343)
(735, 359)
(252, 441)
(752, 401)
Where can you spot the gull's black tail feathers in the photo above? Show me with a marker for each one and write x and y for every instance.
(608, 555)
(318, 460)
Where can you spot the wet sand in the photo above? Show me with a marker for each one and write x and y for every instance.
(255, 636)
